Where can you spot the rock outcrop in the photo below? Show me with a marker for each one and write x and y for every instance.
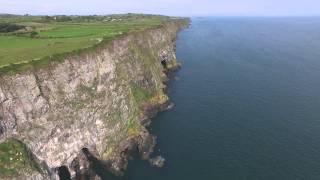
(97, 102)
(157, 161)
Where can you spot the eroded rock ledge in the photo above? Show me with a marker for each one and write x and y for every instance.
(91, 107)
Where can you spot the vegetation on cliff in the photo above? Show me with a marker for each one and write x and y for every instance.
(97, 97)
(14, 159)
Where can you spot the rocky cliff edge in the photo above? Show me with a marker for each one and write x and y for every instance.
(91, 106)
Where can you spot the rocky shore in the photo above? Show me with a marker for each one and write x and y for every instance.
(91, 109)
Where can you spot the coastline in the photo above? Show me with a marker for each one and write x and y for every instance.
(142, 97)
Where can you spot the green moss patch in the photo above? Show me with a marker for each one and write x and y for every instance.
(140, 94)
(14, 159)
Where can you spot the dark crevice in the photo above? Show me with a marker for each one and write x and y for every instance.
(101, 168)
(15, 119)
(64, 173)
(2, 126)
(40, 88)
(164, 64)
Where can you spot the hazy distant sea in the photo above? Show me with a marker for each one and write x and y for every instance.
(247, 103)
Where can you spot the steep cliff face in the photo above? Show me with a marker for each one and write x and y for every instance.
(96, 102)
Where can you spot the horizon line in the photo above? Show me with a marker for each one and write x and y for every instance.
(190, 16)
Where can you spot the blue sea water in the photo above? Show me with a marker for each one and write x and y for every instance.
(247, 103)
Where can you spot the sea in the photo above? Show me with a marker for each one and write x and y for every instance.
(247, 103)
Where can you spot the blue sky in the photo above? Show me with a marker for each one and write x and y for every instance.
(166, 7)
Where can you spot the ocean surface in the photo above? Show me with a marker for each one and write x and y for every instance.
(247, 103)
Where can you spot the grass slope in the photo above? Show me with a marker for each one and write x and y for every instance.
(47, 36)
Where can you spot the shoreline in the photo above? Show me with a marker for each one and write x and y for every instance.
(121, 83)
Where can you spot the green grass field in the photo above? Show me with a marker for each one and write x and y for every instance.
(55, 37)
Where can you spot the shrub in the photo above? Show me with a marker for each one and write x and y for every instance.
(6, 27)
(34, 34)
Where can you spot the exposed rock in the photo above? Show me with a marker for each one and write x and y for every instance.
(170, 106)
(98, 100)
(157, 161)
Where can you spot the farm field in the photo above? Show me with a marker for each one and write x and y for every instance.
(31, 38)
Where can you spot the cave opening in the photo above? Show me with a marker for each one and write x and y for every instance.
(64, 173)
(164, 64)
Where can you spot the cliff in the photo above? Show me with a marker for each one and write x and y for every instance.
(94, 104)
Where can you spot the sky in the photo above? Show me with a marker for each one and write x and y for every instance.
(165, 7)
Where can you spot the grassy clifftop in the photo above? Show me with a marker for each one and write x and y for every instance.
(31, 38)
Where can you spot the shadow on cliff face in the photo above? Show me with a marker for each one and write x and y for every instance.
(64, 173)
(100, 168)
(164, 64)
